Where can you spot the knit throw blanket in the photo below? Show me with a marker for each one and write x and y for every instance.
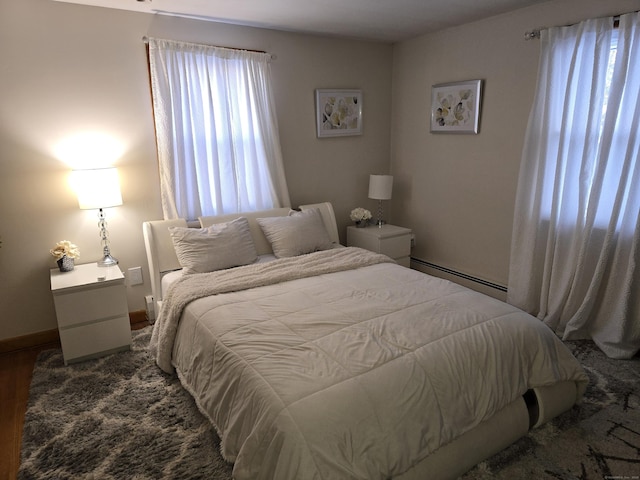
(191, 287)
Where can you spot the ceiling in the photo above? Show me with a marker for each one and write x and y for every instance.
(375, 20)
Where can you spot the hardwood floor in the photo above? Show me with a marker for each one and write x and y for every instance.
(16, 369)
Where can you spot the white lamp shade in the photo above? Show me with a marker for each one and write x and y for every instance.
(98, 188)
(380, 187)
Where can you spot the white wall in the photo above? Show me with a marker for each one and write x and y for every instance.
(457, 191)
(67, 69)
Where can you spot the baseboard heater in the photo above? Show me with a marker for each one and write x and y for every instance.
(471, 278)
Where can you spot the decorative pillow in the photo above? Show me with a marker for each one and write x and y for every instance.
(216, 247)
(299, 233)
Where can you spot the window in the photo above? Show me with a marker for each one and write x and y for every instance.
(573, 175)
(576, 234)
(217, 135)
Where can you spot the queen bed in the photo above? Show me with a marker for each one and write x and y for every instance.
(318, 361)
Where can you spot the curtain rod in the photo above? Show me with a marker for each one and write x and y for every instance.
(535, 33)
(145, 39)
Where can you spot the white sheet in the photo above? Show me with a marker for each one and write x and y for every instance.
(357, 374)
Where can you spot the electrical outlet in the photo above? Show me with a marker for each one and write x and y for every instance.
(135, 276)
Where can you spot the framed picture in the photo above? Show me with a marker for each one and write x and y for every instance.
(338, 112)
(455, 107)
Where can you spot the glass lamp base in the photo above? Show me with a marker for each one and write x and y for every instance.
(107, 261)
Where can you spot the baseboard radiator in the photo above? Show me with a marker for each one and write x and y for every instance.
(455, 273)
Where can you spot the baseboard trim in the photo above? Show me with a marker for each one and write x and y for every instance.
(28, 341)
(455, 273)
(137, 319)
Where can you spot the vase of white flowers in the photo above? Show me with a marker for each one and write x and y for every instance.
(65, 254)
(360, 216)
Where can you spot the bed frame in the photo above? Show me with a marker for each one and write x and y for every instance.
(450, 461)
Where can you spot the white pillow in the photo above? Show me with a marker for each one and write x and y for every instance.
(216, 247)
(299, 233)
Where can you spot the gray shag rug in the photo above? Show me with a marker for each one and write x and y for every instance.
(120, 417)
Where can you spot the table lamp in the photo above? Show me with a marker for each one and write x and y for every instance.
(99, 189)
(380, 187)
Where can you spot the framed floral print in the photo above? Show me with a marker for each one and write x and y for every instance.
(338, 112)
(455, 107)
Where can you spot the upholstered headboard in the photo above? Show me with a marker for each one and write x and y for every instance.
(161, 255)
(329, 218)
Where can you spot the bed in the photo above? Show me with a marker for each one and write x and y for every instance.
(318, 361)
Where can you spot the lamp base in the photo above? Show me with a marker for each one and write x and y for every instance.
(107, 261)
(380, 222)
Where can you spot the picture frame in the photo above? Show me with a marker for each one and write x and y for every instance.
(338, 112)
(455, 107)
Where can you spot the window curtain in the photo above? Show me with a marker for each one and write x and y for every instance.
(216, 128)
(576, 236)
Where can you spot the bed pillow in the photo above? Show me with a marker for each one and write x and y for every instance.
(219, 246)
(299, 233)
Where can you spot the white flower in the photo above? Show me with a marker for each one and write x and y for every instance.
(359, 214)
(65, 249)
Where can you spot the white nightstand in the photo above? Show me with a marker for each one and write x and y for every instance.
(389, 240)
(92, 313)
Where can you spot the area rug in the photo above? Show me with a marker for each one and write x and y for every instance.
(596, 440)
(119, 417)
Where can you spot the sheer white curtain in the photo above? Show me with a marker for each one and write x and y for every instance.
(217, 134)
(576, 239)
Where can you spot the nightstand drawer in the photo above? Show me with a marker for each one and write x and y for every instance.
(390, 240)
(92, 311)
(90, 305)
(396, 247)
(95, 339)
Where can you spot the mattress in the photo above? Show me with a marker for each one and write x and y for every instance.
(358, 373)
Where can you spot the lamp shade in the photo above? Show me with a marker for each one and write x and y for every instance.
(380, 187)
(97, 188)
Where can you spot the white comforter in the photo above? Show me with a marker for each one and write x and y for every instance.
(359, 373)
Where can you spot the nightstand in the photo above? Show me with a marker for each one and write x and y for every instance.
(92, 311)
(390, 240)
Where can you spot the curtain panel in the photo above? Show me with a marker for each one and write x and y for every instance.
(216, 129)
(576, 236)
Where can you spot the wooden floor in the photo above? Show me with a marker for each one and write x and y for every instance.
(16, 369)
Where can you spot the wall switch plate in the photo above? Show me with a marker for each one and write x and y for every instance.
(135, 276)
